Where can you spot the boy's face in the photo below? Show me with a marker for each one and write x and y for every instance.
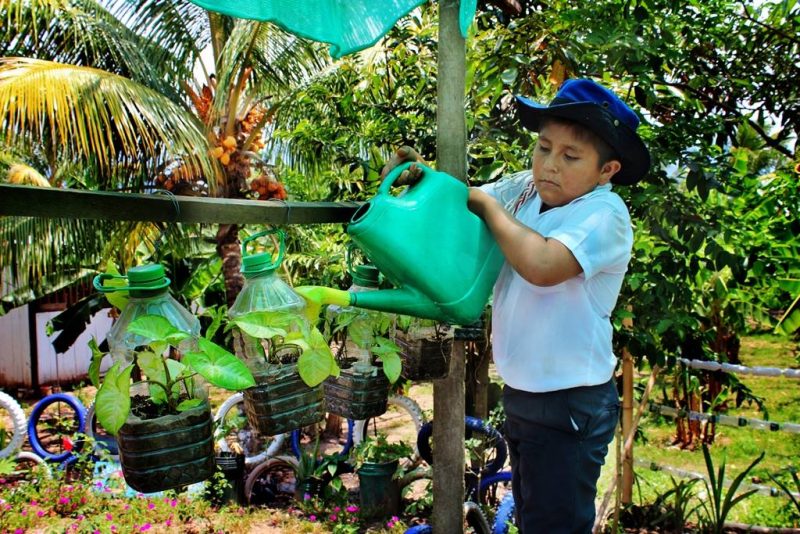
(566, 167)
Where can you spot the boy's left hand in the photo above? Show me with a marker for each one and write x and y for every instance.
(478, 200)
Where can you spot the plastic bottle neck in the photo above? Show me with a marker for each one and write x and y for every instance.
(147, 293)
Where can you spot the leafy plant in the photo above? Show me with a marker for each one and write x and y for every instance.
(171, 384)
(787, 490)
(311, 466)
(721, 501)
(368, 330)
(418, 327)
(287, 334)
(377, 449)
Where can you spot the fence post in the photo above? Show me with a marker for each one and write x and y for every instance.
(627, 418)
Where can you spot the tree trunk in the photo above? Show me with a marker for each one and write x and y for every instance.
(230, 250)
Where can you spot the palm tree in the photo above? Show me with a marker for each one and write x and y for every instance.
(101, 95)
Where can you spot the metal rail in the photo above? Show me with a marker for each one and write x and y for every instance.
(72, 204)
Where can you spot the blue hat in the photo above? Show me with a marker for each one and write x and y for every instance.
(602, 112)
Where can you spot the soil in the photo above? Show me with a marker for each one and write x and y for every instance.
(144, 408)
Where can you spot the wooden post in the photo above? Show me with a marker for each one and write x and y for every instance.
(627, 419)
(448, 393)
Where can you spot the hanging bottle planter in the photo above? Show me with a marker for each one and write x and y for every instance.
(288, 356)
(163, 422)
(169, 451)
(361, 390)
(425, 348)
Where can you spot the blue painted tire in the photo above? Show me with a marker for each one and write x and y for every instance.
(476, 425)
(36, 414)
(504, 515)
(496, 478)
(420, 529)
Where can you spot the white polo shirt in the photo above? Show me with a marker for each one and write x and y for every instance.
(558, 337)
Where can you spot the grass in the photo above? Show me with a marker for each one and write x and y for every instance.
(739, 446)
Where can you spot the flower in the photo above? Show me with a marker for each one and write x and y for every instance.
(352, 509)
(312, 518)
(151, 505)
(144, 527)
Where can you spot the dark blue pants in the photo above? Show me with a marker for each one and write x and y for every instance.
(558, 442)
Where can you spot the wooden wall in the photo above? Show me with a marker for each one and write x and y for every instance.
(17, 359)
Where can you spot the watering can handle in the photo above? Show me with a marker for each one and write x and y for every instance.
(395, 173)
(281, 244)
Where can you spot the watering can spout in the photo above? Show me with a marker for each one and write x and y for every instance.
(405, 301)
(318, 296)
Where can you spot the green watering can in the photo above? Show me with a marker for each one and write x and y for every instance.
(441, 258)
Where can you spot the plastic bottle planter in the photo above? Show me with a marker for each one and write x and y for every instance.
(231, 465)
(379, 494)
(357, 395)
(424, 358)
(169, 451)
(282, 402)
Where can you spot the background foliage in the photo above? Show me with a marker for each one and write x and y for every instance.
(716, 243)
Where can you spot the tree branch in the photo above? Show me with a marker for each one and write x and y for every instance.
(772, 143)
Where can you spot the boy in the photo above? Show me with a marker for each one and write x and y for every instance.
(567, 241)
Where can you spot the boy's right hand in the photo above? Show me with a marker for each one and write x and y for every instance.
(409, 176)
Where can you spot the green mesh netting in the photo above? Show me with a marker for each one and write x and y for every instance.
(347, 25)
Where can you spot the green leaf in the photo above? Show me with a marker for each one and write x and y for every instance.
(217, 317)
(740, 163)
(360, 332)
(220, 367)
(157, 329)
(509, 76)
(489, 172)
(113, 401)
(265, 325)
(790, 323)
(97, 359)
(389, 354)
(118, 299)
(315, 365)
(152, 365)
(188, 404)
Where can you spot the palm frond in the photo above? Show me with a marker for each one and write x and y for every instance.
(278, 61)
(95, 114)
(39, 256)
(178, 28)
(83, 32)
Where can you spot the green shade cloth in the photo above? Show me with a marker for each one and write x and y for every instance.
(347, 25)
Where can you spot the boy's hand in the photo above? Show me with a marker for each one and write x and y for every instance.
(410, 176)
(478, 201)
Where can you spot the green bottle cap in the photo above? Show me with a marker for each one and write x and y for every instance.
(366, 276)
(147, 276)
(258, 264)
